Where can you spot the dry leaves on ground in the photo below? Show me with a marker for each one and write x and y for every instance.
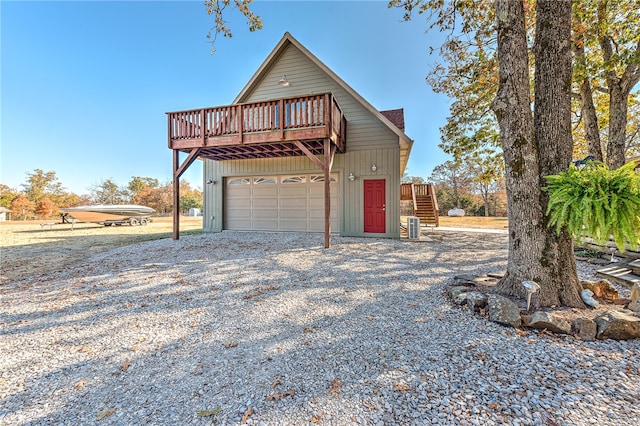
(105, 413)
(401, 387)
(336, 384)
(247, 414)
(277, 396)
(369, 405)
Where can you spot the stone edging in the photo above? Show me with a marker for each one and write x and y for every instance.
(620, 322)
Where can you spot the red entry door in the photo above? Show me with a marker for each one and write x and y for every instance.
(374, 206)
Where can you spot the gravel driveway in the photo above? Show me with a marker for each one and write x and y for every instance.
(273, 329)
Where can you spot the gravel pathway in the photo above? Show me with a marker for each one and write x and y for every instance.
(262, 328)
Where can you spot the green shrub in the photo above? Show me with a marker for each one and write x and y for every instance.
(597, 202)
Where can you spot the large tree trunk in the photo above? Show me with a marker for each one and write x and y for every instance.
(619, 88)
(587, 108)
(535, 251)
(590, 120)
(513, 111)
(617, 124)
(552, 132)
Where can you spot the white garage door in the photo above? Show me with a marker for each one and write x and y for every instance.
(279, 203)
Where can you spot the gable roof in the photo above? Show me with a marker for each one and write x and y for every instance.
(288, 40)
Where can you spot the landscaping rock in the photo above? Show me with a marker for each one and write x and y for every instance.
(503, 311)
(585, 329)
(587, 298)
(634, 306)
(468, 280)
(635, 292)
(457, 290)
(551, 321)
(602, 290)
(473, 299)
(619, 325)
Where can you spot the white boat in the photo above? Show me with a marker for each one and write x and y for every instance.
(110, 214)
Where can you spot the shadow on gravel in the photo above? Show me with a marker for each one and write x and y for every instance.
(238, 320)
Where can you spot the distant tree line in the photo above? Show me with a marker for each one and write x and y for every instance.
(42, 195)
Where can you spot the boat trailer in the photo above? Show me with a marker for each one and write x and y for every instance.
(133, 221)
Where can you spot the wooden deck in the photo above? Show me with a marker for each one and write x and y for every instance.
(275, 128)
(312, 126)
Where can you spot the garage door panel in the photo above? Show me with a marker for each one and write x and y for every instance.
(265, 203)
(266, 214)
(239, 213)
(293, 190)
(239, 224)
(265, 225)
(240, 203)
(265, 190)
(293, 202)
(293, 214)
(239, 191)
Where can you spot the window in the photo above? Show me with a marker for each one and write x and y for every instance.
(264, 180)
(294, 179)
(239, 181)
(320, 178)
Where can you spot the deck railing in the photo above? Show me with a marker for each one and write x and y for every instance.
(281, 115)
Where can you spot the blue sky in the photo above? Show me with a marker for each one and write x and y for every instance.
(85, 85)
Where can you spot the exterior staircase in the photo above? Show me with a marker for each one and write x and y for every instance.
(425, 204)
(626, 275)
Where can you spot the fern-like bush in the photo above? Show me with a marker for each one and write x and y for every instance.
(597, 202)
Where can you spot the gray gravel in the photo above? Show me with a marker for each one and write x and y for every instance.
(277, 329)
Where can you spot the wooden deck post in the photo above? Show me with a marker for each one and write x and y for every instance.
(327, 193)
(178, 170)
(176, 195)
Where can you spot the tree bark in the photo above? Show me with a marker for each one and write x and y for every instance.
(535, 251)
(590, 120)
(617, 124)
(513, 111)
(552, 132)
(587, 108)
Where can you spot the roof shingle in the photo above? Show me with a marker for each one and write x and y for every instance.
(396, 116)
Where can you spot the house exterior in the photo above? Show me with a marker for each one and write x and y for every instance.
(273, 175)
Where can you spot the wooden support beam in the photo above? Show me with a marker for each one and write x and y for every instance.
(328, 161)
(187, 162)
(311, 156)
(176, 195)
(178, 170)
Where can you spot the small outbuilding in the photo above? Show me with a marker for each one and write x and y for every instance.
(3, 214)
(297, 150)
